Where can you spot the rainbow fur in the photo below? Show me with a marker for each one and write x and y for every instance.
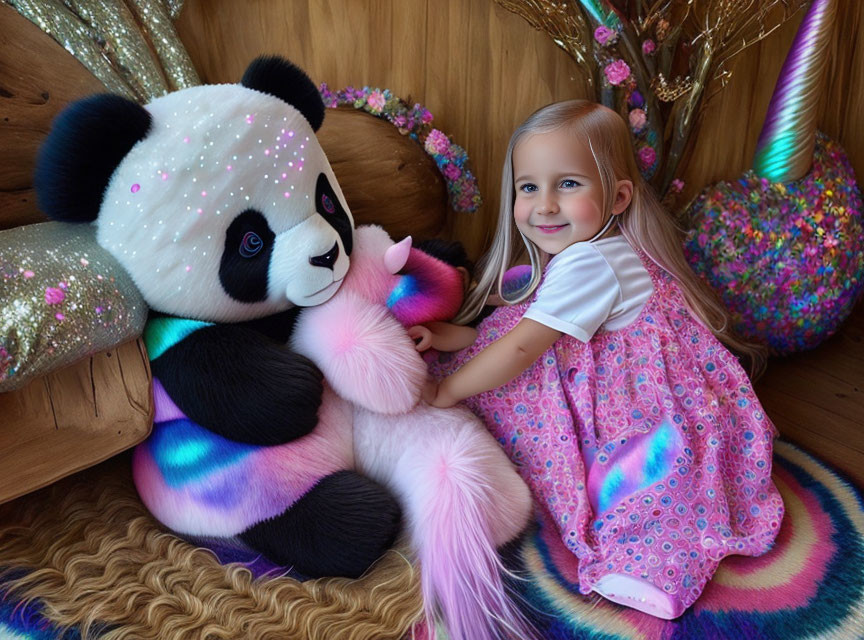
(429, 290)
(199, 483)
(460, 494)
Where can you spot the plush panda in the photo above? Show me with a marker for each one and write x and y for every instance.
(220, 203)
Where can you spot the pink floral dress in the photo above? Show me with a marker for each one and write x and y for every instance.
(646, 445)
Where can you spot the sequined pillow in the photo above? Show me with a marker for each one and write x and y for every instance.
(62, 298)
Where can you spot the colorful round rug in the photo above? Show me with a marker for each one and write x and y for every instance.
(810, 585)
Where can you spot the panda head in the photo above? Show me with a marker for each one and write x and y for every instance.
(218, 199)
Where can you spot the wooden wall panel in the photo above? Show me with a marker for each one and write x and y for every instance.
(481, 70)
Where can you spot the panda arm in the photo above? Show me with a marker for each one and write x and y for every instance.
(242, 385)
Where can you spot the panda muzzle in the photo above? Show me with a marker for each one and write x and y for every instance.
(326, 259)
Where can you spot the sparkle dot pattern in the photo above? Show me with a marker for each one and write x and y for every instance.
(800, 590)
(226, 150)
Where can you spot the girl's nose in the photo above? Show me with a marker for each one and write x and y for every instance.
(547, 205)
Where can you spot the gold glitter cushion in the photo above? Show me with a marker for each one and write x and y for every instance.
(62, 298)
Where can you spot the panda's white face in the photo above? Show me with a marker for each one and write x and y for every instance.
(228, 209)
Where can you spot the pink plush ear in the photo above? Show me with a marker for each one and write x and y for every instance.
(396, 256)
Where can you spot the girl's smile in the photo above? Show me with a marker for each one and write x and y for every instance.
(551, 229)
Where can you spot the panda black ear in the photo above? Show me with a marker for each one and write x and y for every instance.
(87, 142)
(280, 78)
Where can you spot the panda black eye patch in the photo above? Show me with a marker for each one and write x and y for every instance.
(328, 205)
(246, 258)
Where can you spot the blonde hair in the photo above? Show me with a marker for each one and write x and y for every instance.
(645, 224)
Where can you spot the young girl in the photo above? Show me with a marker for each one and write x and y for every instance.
(605, 377)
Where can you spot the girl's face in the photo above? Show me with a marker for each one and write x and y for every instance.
(559, 195)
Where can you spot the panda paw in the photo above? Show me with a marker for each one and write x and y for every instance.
(338, 528)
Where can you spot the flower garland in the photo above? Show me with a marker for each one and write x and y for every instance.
(415, 122)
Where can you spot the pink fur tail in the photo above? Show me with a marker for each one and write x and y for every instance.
(461, 572)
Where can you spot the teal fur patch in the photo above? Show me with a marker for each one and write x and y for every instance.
(161, 334)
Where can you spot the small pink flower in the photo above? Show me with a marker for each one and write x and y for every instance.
(452, 172)
(426, 118)
(647, 155)
(677, 185)
(437, 142)
(648, 47)
(466, 203)
(604, 35)
(617, 72)
(376, 101)
(54, 295)
(637, 119)
(28, 274)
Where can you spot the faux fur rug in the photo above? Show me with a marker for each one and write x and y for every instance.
(87, 558)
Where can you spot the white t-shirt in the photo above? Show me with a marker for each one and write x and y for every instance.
(591, 285)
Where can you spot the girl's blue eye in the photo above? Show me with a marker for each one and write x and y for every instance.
(251, 244)
(528, 188)
(569, 184)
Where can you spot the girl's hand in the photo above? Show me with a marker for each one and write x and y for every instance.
(421, 333)
(435, 395)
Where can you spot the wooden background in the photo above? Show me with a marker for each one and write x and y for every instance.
(481, 70)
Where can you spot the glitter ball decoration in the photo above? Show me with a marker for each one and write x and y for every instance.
(62, 298)
(786, 257)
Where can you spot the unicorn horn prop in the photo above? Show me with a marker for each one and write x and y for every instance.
(784, 151)
(599, 13)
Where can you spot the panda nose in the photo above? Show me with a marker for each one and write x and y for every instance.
(326, 259)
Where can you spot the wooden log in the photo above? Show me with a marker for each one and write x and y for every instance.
(74, 418)
(387, 178)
